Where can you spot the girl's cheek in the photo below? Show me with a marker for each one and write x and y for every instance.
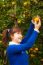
(16, 36)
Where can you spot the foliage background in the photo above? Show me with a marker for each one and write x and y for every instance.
(20, 12)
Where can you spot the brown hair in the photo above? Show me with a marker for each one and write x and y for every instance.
(6, 34)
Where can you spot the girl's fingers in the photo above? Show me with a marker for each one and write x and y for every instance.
(35, 22)
(32, 21)
(39, 22)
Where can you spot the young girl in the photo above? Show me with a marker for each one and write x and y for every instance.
(16, 50)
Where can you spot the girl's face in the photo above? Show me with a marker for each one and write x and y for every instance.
(17, 37)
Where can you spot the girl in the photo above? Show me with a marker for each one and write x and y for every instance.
(16, 50)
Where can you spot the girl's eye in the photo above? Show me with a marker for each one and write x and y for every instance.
(18, 32)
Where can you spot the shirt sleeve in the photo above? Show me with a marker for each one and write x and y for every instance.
(28, 34)
(37, 30)
(26, 46)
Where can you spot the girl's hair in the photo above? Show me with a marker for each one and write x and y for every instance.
(6, 34)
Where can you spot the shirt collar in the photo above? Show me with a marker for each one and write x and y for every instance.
(13, 43)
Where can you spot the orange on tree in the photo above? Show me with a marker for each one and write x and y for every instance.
(36, 18)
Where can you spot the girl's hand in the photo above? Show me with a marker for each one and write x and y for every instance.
(35, 19)
(37, 25)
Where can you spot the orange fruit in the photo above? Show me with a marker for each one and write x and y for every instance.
(36, 19)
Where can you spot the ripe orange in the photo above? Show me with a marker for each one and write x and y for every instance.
(36, 19)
